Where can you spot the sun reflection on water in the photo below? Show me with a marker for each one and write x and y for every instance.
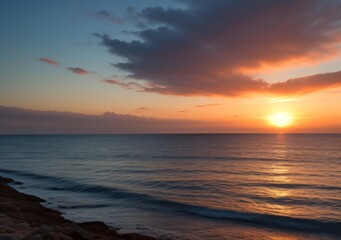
(278, 174)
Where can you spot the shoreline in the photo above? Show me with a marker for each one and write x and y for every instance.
(22, 216)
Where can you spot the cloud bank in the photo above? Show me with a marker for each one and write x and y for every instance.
(26, 121)
(209, 47)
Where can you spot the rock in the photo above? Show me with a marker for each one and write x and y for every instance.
(97, 227)
(6, 180)
(55, 236)
(35, 237)
(8, 237)
(23, 217)
(77, 236)
(136, 236)
(42, 229)
(5, 229)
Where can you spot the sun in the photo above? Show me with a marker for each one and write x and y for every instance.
(281, 119)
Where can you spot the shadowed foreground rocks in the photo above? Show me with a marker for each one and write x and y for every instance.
(23, 217)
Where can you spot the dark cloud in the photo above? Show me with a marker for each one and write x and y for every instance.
(78, 70)
(49, 61)
(26, 121)
(209, 47)
(141, 108)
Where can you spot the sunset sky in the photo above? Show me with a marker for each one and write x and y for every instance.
(74, 66)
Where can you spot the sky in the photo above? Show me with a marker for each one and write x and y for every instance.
(134, 66)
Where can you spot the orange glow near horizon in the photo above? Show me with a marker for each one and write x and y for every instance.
(281, 119)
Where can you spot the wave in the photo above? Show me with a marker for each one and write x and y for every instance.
(195, 157)
(60, 184)
(292, 186)
(266, 219)
(223, 158)
(78, 206)
(36, 176)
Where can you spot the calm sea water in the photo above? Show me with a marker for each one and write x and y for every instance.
(187, 186)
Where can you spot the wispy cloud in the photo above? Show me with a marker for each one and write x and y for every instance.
(106, 15)
(233, 116)
(128, 85)
(209, 105)
(88, 43)
(307, 84)
(276, 100)
(49, 61)
(78, 70)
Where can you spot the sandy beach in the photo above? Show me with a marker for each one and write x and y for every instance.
(23, 217)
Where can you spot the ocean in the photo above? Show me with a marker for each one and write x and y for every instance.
(186, 186)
